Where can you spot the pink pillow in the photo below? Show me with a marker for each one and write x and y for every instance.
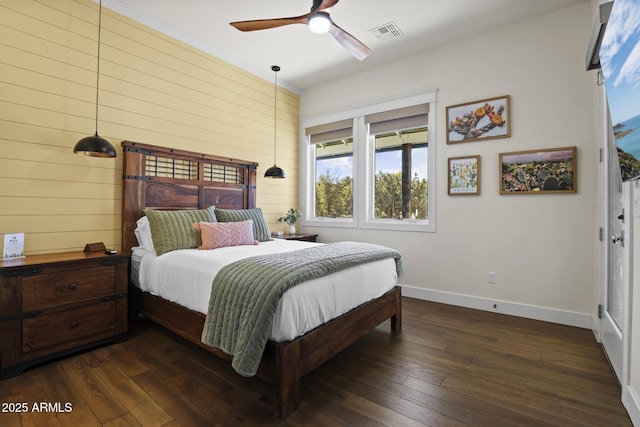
(221, 234)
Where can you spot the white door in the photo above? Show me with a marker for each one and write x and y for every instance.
(614, 295)
(612, 307)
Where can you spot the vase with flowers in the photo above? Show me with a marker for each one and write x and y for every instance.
(291, 217)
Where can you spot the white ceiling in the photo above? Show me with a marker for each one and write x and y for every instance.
(307, 59)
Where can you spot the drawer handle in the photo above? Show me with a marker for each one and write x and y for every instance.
(74, 324)
(73, 286)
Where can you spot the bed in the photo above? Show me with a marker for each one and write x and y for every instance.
(163, 179)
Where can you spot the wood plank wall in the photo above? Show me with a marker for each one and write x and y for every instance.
(153, 89)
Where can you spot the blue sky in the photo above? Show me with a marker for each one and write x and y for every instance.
(342, 166)
(620, 59)
(389, 161)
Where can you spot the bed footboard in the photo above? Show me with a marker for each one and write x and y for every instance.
(292, 360)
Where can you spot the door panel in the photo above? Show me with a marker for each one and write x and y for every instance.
(618, 261)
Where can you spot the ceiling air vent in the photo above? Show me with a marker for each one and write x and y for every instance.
(387, 31)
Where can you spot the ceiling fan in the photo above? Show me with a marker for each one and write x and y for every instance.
(318, 20)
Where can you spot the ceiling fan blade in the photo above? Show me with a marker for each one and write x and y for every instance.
(322, 5)
(352, 44)
(264, 24)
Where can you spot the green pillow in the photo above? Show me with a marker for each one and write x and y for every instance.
(172, 230)
(260, 229)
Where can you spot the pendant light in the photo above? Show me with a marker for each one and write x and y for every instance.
(274, 171)
(95, 145)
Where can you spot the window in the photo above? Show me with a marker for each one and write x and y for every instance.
(334, 179)
(371, 168)
(400, 147)
(400, 184)
(332, 150)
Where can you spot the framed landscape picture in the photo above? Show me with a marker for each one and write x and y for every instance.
(464, 175)
(545, 171)
(479, 120)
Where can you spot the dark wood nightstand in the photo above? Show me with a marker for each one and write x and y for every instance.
(304, 237)
(55, 304)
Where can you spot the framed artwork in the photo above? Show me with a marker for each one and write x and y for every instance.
(479, 120)
(552, 170)
(464, 175)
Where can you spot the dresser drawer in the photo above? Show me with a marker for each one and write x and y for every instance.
(53, 289)
(68, 326)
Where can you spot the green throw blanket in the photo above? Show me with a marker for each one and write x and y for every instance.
(245, 294)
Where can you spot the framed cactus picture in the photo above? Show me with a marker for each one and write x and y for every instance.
(479, 120)
(464, 175)
(552, 170)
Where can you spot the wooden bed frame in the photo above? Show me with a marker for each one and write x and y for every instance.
(163, 178)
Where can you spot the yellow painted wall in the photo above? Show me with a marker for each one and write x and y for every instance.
(153, 89)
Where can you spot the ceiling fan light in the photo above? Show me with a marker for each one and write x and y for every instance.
(320, 23)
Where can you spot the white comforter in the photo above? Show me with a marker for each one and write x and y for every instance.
(185, 277)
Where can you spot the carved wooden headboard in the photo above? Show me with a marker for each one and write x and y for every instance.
(164, 178)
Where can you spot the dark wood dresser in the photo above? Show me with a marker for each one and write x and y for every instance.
(55, 304)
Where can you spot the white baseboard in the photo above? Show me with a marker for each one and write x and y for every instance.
(631, 402)
(570, 318)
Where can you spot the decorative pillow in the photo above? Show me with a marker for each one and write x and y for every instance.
(260, 229)
(172, 230)
(222, 234)
(143, 234)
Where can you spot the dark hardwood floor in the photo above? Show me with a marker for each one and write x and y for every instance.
(449, 366)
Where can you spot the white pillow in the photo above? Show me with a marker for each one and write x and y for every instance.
(143, 234)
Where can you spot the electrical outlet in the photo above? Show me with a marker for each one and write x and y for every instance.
(491, 277)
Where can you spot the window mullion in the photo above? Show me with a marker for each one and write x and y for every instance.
(362, 187)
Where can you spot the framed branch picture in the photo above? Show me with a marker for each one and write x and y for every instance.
(479, 120)
(545, 171)
(464, 175)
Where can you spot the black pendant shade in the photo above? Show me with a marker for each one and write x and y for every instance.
(274, 171)
(95, 145)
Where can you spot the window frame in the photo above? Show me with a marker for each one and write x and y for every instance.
(364, 170)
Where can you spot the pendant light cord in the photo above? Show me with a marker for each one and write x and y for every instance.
(275, 68)
(98, 66)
